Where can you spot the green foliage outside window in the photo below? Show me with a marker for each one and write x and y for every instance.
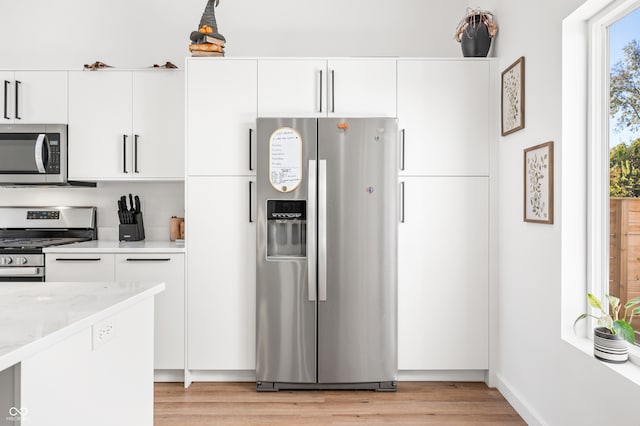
(624, 161)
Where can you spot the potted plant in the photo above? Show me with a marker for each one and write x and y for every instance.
(475, 31)
(614, 331)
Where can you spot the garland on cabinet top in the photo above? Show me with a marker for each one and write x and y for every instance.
(207, 41)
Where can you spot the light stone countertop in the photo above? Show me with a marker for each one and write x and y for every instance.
(105, 246)
(36, 316)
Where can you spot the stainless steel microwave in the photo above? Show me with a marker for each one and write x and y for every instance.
(33, 154)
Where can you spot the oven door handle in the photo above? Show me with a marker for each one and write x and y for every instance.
(41, 158)
(15, 272)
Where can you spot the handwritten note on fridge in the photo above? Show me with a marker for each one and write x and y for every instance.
(285, 147)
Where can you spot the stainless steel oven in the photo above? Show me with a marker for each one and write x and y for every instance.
(22, 268)
(25, 231)
(33, 154)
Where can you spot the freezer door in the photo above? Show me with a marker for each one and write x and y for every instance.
(357, 250)
(286, 272)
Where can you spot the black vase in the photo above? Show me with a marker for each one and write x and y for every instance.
(475, 40)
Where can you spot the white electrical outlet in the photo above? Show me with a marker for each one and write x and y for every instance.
(103, 332)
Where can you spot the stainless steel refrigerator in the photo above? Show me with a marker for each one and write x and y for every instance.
(326, 287)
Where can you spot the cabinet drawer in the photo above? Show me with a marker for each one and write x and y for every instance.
(80, 267)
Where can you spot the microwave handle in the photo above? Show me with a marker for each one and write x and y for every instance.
(41, 159)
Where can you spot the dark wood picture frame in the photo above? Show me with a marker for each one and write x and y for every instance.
(512, 88)
(538, 183)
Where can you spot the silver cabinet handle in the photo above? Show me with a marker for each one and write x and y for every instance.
(401, 202)
(402, 149)
(311, 231)
(320, 108)
(322, 231)
(333, 91)
(38, 153)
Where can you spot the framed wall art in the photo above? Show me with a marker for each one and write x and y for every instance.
(513, 97)
(538, 183)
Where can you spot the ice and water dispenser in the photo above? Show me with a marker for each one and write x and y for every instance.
(286, 228)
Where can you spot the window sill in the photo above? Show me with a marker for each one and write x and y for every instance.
(629, 370)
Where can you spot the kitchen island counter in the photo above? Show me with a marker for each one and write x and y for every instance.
(67, 347)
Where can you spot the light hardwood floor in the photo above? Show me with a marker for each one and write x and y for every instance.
(415, 403)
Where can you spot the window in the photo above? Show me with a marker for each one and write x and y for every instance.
(615, 154)
(624, 159)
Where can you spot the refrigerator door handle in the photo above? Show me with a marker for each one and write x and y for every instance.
(311, 232)
(322, 231)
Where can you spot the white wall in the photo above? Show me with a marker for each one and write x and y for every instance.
(555, 383)
(132, 34)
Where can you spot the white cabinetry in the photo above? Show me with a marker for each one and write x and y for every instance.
(221, 247)
(444, 244)
(321, 88)
(169, 308)
(34, 97)
(443, 275)
(126, 125)
(443, 112)
(80, 267)
(221, 105)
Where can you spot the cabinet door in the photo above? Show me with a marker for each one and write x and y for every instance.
(443, 274)
(42, 97)
(158, 124)
(362, 88)
(443, 108)
(8, 97)
(100, 125)
(80, 267)
(292, 88)
(169, 305)
(221, 273)
(221, 116)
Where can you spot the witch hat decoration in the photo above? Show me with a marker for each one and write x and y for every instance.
(209, 18)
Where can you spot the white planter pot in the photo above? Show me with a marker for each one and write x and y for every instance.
(609, 347)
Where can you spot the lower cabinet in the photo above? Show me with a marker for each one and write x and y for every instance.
(169, 304)
(221, 269)
(80, 267)
(443, 274)
(169, 314)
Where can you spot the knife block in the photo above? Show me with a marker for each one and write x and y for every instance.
(132, 231)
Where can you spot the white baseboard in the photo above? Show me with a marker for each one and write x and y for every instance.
(223, 375)
(524, 409)
(441, 375)
(403, 375)
(168, 375)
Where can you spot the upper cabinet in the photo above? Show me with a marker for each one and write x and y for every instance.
(292, 88)
(221, 116)
(34, 97)
(443, 108)
(126, 125)
(321, 88)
